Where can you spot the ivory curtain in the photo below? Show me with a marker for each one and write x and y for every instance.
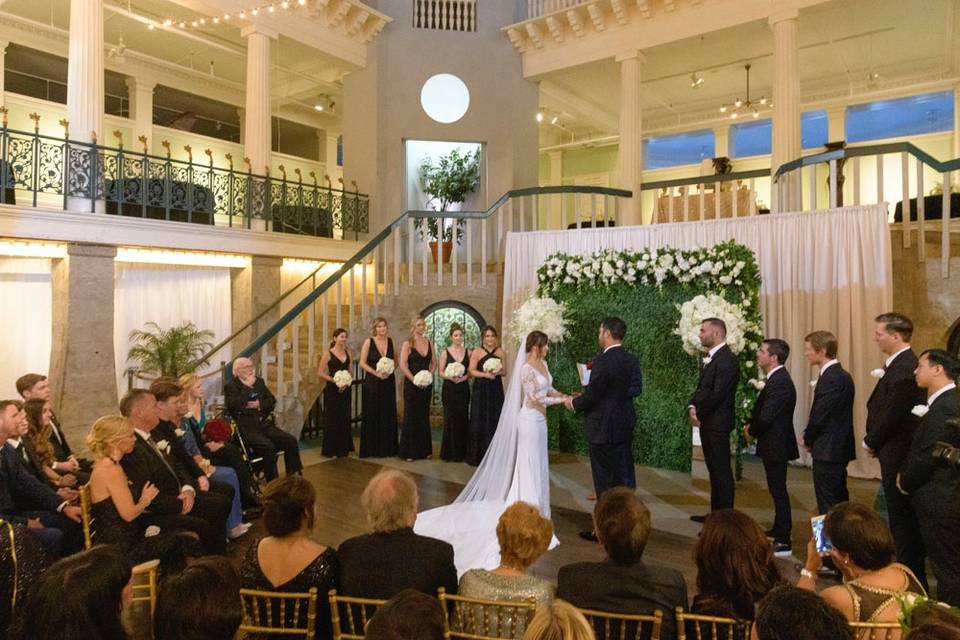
(828, 269)
(26, 292)
(169, 296)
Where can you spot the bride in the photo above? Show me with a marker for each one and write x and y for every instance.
(514, 468)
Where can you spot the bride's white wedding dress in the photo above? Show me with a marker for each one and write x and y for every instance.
(515, 468)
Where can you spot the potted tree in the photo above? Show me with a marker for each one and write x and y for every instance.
(167, 352)
(447, 181)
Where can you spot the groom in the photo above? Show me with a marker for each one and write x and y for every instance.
(609, 416)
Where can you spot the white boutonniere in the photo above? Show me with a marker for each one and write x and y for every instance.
(920, 410)
(179, 432)
(152, 530)
(758, 384)
(707, 360)
(813, 383)
(164, 446)
(878, 373)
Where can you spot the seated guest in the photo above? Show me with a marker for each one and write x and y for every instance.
(39, 448)
(524, 536)
(933, 631)
(18, 547)
(287, 559)
(393, 557)
(178, 505)
(251, 405)
(220, 453)
(934, 620)
(409, 615)
(34, 386)
(789, 613)
(115, 516)
(200, 603)
(30, 460)
(864, 552)
(623, 583)
(735, 566)
(559, 621)
(79, 598)
(27, 501)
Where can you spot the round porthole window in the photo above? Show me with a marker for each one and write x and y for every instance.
(445, 98)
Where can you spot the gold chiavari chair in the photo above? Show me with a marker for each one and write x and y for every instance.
(279, 613)
(349, 615)
(479, 619)
(877, 630)
(145, 583)
(85, 517)
(703, 627)
(624, 626)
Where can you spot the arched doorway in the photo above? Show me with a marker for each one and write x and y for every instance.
(439, 316)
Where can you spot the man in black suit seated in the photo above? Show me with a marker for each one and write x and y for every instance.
(27, 501)
(829, 433)
(179, 505)
(771, 425)
(393, 557)
(623, 583)
(890, 428)
(934, 485)
(35, 386)
(713, 409)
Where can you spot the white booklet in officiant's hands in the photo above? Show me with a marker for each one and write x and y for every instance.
(583, 370)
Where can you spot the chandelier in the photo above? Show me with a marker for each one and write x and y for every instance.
(746, 108)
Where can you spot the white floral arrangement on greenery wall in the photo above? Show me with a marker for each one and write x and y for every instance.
(694, 311)
(539, 314)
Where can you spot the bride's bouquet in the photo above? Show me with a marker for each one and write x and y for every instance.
(423, 379)
(385, 365)
(539, 314)
(342, 379)
(454, 370)
(493, 365)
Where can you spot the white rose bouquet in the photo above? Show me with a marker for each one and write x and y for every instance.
(454, 370)
(493, 365)
(423, 379)
(385, 365)
(539, 314)
(342, 379)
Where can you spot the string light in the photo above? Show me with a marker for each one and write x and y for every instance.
(197, 23)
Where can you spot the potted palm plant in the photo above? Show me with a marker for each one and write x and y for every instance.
(168, 352)
(447, 181)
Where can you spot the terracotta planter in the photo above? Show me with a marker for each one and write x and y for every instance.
(446, 248)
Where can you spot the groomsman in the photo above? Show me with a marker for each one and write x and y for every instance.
(890, 429)
(713, 409)
(771, 425)
(934, 485)
(829, 432)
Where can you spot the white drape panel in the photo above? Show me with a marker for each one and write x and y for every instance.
(828, 269)
(26, 313)
(169, 296)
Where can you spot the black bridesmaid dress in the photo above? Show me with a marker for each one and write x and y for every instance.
(484, 411)
(378, 428)
(415, 441)
(337, 439)
(456, 414)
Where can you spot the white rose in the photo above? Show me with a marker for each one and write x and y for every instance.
(707, 360)
(423, 379)
(920, 410)
(620, 264)
(179, 432)
(725, 279)
(758, 384)
(493, 365)
(813, 383)
(878, 373)
(568, 280)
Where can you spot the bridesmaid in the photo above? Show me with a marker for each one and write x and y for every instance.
(337, 439)
(487, 395)
(378, 428)
(416, 356)
(456, 399)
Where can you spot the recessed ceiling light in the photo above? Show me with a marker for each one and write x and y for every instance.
(318, 107)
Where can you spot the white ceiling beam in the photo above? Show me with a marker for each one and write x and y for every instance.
(580, 107)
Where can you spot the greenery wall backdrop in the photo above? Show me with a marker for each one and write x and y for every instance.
(646, 288)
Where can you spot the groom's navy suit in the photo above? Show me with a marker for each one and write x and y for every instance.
(609, 418)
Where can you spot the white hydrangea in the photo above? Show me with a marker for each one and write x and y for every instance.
(540, 314)
(693, 312)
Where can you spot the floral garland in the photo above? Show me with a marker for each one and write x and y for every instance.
(539, 314)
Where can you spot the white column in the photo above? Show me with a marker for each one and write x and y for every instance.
(629, 157)
(256, 134)
(956, 121)
(786, 104)
(140, 92)
(330, 153)
(836, 123)
(721, 137)
(242, 113)
(3, 65)
(555, 180)
(85, 79)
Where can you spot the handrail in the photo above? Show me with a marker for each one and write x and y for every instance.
(870, 150)
(311, 297)
(716, 177)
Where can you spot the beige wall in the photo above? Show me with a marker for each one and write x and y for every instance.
(920, 291)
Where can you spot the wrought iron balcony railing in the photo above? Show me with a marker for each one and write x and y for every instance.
(41, 170)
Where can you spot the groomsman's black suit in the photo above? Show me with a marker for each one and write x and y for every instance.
(771, 424)
(208, 518)
(609, 418)
(890, 429)
(715, 402)
(829, 436)
(934, 489)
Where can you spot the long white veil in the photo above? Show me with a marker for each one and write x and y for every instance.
(469, 523)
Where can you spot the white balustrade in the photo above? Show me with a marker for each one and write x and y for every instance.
(445, 15)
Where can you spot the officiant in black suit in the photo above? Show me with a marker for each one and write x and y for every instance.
(180, 505)
(608, 414)
(890, 428)
(713, 409)
(771, 425)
